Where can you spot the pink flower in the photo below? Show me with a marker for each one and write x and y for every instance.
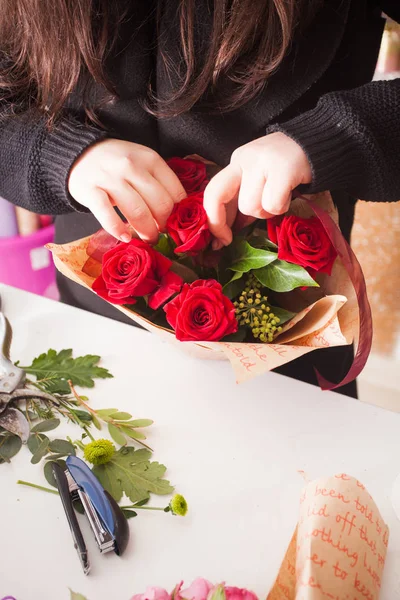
(234, 593)
(153, 593)
(197, 590)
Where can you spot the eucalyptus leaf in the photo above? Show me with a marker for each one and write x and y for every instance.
(245, 258)
(10, 445)
(116, 435)
(34, 441)
(47, 425)
(62, 447)
(42, 450)
(48, 471)
(130, 471)
(282, 276)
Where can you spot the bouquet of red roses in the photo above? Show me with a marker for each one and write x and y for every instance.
(274, 294)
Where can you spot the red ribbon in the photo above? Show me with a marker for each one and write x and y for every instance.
(356, 276)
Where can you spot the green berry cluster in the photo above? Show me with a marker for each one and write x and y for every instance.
(254, 312)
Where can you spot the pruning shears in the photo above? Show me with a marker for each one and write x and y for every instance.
(12, 388)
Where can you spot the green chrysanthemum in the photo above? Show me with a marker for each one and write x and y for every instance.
(178, 505)
(99, 452)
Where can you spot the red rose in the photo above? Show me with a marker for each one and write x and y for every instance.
(191, 173)
(187, 225)
(133, 270)
(201, 312)
(303, 242)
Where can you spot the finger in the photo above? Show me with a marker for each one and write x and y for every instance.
(158, 200)
(99, 203)
(169, 181)
(276, 196)
(136, 211)
(250, 195)
(222, 189)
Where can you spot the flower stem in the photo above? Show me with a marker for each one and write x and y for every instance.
(143, 507)
(38, 487)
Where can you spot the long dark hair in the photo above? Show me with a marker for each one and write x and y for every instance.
(47, 47)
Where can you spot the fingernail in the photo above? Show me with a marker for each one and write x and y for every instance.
(217, 245)
(125, 237)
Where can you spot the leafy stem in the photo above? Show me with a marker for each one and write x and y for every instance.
(38, 487)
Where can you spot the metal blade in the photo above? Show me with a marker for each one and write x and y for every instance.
(14, 421)
(11, 377)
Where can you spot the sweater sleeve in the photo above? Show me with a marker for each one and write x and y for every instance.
(35, 161)
(352, 140)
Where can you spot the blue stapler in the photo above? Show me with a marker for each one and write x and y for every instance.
(107, 521)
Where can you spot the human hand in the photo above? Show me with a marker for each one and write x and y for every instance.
(258, 182)
(131, 177)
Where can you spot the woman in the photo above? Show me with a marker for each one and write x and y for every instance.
(96, 94)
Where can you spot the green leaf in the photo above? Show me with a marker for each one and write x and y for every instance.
(96, 422)
(106, 412)
(48, 471)
(54, 369)
(42, 450)
(78, 506)
(129, 514)
(83, 415)
(247, 258)
(234, 286)
(139, 423)
(10, 445)
(282, 276)
(132, 433)
(239, 336)
(34, 441)
(116, 435)
(218, 593)
(47, 425)
(75, 596)
(165, 245)
(131, 472)
(142, 502)
(62, 447)
(121, 416)
(260, 239)
(55, 457)
(282, 314)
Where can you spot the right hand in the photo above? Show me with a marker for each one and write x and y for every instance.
(131, 177)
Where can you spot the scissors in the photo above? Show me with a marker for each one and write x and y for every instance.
(12, 388)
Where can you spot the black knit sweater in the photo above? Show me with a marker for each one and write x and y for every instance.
(321, 97)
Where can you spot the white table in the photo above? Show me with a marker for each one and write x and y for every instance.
(233, 451)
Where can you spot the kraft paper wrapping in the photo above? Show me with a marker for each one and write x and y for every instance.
(330, 319)
(339, 547)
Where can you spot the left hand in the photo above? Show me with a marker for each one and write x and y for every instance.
(258, 182)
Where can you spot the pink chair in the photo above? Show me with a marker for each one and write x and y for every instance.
(26, 264)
